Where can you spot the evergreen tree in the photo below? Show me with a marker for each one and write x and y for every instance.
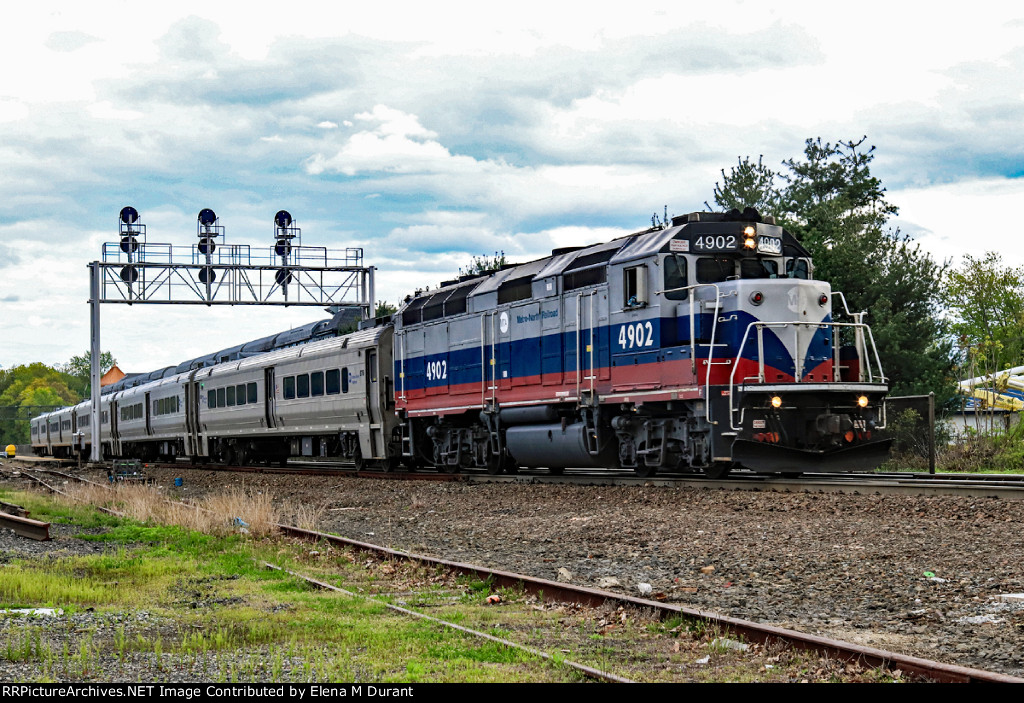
(830, 202)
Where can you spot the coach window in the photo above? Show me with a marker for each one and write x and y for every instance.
(231, 395)
(316, 382)
(211, 399)
(302, 385)
(221, 398)
(344, 380)
(289, 387)
(634, 287)
(333, 380)
(250, 392)
(240, 394)
(713, 269)
(675, 277)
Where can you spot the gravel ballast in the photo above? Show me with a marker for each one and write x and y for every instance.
(919, 576)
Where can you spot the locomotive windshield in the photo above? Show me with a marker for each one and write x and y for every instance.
(715, 269)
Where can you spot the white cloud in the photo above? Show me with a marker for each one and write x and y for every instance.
(967, 217)
(428, 141)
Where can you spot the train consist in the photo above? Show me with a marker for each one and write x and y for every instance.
(699, 345)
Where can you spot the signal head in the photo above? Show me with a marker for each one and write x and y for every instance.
(283, 219)
(207, 217)
(129, 215)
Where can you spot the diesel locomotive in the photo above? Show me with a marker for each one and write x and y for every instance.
(701, 344)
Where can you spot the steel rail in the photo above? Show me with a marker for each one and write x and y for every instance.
(554, 590)
(12, 509)
(588, 671)
(758, 632)
(984, 486)
(26, 527)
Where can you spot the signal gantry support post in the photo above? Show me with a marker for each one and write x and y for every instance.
(94, 360)
(215, 273)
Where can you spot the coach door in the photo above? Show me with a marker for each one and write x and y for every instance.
(373, 404)
(192, 418)
(269, 398)
(115, 435)
(149, 416)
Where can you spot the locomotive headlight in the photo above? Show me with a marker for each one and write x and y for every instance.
(748, 237)
(862, 401)
(776, 401)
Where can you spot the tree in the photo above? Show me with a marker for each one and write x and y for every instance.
(485, 264)
(80, 369)
(985, 300)
(748, 185)
(384, 309)
(830, 202)
(28, 391)
(81, 366)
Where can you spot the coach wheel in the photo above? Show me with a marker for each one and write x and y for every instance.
(229, 455)
(389, 464)
(358, 460)
(718, 470)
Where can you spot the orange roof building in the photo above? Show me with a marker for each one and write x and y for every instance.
(112, 376)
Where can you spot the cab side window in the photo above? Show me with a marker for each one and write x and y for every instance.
(675, 277)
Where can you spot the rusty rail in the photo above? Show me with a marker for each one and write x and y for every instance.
(554, 590)
(26, 527)
(12, 509)
(758, 632)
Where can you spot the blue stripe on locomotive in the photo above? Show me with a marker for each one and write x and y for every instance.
(555, 353)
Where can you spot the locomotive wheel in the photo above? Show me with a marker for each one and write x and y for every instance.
(642, 469)
(719, 469)
(495, 464)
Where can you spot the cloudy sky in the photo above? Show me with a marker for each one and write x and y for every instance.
(427, 133)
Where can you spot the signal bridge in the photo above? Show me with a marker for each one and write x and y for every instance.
(212, 272)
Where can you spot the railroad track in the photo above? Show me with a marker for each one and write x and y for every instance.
(1002, 486)
(753, 631)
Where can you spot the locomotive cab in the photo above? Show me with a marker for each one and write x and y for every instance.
(787, 387)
